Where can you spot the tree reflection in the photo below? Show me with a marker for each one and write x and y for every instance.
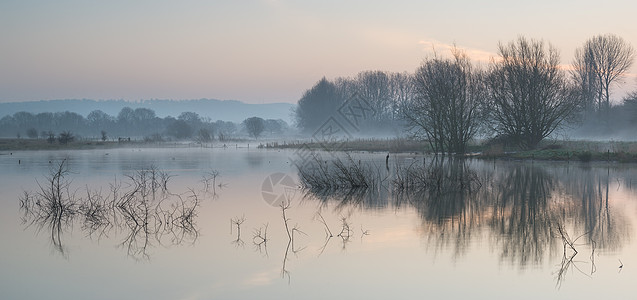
(523, 215)
(447, 191)
(518, 207)
(592, 208)
(447, 202)
(143, 211)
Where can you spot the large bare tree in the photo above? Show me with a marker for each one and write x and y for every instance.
(374, 87)
(402, 91)
(597, 66)
(585, 79)
(530, 95)
(447, 103)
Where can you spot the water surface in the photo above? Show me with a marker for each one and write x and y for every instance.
(507, 236)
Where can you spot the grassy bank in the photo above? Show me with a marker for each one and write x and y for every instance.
(13, 144)
(395, 145)
(549, 150)
(41, 144)
(584, 151)
(566, 155)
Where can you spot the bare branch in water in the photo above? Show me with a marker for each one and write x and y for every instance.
(346, 231)
(284, 271)
(237, 221)
(364, 232)
(260, 239)
(568, 259)
(139, 211)
(328, 232)
(296, 229)
(284, 207)
(209, 180)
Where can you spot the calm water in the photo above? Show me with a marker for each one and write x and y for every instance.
(504, 234)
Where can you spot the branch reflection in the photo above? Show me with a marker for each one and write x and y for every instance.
(141, 209)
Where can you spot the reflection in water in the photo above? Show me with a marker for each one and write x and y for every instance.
(524, 210)
(260, 239)
(255, 161)
(210, 185)
(290, 233)
(523, 216)
(350, 182)
(142, 209)
(568, 256)
(449, 205)
(526, 214)
(594, 213)
(238, 242)
(52, 206)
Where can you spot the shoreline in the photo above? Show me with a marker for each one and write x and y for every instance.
(582, 151)
(8, 144)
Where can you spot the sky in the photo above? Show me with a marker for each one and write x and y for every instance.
(263, 51)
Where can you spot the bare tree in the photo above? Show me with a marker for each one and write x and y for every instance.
(345, 86)
(597, 66)
(204, 135)
(32, 133)
(529, 92)
(446, 108)
(254, 126)
(401, 91)
(585, 79)
(66, 137)
(50, 137)
(374, 87)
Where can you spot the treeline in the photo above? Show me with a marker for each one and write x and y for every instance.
(139, 123)
(386, 93)
(522, 97)
(234, 111)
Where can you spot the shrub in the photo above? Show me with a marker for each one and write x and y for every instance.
(585, 156)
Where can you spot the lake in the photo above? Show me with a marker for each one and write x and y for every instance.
(242, 223)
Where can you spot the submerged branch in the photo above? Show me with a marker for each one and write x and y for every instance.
(145, 212)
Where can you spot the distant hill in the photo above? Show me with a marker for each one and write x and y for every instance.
(226, 110)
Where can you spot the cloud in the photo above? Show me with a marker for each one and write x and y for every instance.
(261, 278)
(444, 49)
